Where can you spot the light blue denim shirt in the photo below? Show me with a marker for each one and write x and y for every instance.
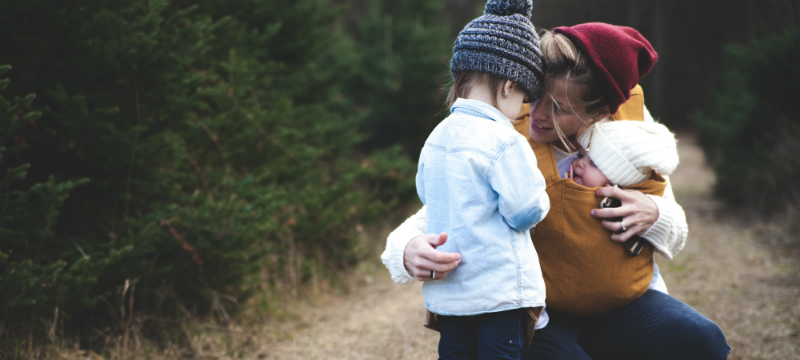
(479, 180)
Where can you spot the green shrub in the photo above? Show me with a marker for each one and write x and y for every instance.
(750, 131)
(183, 153)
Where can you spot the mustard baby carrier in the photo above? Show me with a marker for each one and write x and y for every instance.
(585, 272)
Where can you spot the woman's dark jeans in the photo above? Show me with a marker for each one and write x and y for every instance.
(655, 326)
(499, 335)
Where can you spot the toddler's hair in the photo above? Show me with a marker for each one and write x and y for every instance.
(464, 81)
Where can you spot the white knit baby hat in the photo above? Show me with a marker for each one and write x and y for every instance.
(625, 151)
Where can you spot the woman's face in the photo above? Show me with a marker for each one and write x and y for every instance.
(555, 109)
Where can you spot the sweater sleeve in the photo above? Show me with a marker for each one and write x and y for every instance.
(397, 241)
(668, 234)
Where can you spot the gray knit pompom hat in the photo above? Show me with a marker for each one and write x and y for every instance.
(503, 43)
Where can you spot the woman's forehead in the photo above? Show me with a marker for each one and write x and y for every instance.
(562, 91)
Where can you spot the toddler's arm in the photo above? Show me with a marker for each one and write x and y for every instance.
(520, 186)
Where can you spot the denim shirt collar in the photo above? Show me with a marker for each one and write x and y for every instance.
(480, 109)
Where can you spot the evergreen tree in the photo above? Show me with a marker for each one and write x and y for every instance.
(184, 153)
(750, 129)
(403, 70)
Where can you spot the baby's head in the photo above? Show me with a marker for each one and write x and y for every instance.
(583, 171)
(623, 153)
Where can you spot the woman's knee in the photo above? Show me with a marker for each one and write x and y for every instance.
(702, 339)
(668, 328)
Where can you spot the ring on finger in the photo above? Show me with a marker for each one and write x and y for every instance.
(433, 274)
(623, 226)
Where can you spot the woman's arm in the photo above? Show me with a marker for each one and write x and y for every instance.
(411, 254)
(660, 220)
(669, 232)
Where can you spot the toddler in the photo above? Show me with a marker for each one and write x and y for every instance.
(479, 180)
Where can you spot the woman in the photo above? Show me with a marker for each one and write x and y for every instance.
(592, 70)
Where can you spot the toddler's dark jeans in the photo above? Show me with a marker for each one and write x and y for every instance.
(654, 326)
(499, 335)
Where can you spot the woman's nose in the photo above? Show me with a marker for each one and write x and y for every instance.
(537, 110)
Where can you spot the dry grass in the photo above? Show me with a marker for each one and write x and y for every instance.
(727, 271)
(364, 316)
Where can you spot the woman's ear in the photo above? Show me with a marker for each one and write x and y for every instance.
(601, 114)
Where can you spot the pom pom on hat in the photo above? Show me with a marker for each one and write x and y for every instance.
(626, 151)
(504, 43)
(509, 7)
(620, 55)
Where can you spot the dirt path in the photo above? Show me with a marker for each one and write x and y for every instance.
(726, 272)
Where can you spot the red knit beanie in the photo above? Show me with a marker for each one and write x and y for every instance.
(621, 55)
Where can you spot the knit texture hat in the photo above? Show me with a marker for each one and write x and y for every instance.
(620, 55)
(503, 43)
(626, 151)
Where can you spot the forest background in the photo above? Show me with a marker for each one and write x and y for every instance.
(165, 160)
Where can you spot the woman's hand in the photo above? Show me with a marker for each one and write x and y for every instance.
(421, 256)
(638, 213)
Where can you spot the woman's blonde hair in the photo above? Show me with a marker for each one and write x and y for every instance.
(464, 81)
(563, 60)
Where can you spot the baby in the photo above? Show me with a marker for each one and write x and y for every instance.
(651, 137)
(631, 154)
(620, 144)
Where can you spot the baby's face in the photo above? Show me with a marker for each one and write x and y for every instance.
(585, 172)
